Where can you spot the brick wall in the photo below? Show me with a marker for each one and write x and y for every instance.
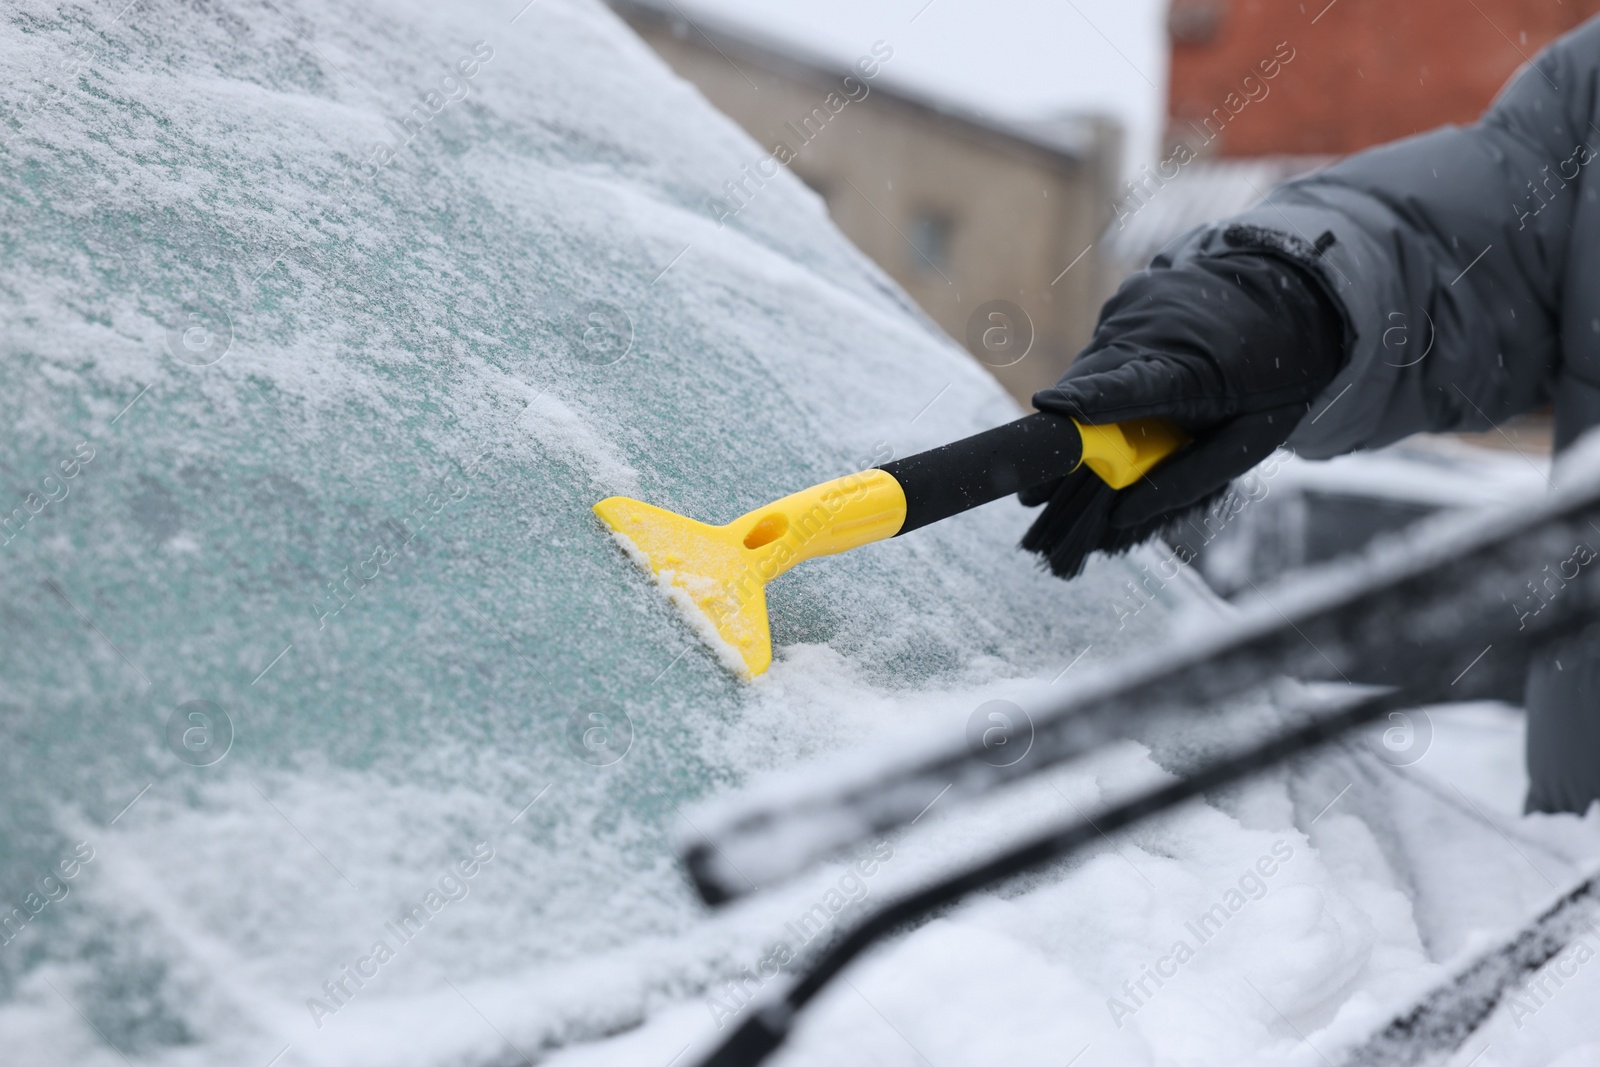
(1361, 72)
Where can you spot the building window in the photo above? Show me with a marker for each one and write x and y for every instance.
(1194, 21)
(930, 242)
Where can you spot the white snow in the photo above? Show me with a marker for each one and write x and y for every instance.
(681, 597)
(1382, 878)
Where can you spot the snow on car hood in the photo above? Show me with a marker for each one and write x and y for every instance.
(338, 732)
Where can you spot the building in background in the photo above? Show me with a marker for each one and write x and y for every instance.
(991, 226)
(1262, 90)
(1363, 72)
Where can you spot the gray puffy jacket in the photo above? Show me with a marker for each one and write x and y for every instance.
(1479, 247)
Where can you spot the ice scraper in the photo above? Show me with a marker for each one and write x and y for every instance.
(718, 574)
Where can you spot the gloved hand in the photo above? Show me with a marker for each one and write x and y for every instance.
(1232, 347)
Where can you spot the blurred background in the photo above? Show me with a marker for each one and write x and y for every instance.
(1010, 163)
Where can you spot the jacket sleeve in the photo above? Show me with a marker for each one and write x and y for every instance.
(1447, 259)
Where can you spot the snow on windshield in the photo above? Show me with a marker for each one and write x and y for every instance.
(337, 729)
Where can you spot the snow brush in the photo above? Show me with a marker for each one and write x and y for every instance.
(718, 574)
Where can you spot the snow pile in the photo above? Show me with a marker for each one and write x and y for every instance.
(1281, 924)
(324, 327)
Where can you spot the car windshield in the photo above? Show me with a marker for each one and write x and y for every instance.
(325, 328)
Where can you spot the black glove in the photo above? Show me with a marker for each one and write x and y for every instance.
(1231, 347)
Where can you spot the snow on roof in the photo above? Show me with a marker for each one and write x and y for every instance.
(1071, 136)
(1018, 61)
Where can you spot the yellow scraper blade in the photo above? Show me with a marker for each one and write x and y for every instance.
(719, 573)
(700, 566)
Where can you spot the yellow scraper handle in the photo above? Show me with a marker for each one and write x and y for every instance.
(722, 571)
(1123, 452)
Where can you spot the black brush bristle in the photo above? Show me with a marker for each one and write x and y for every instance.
(1077, 522)
(1072, 525)
(1173, 525)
